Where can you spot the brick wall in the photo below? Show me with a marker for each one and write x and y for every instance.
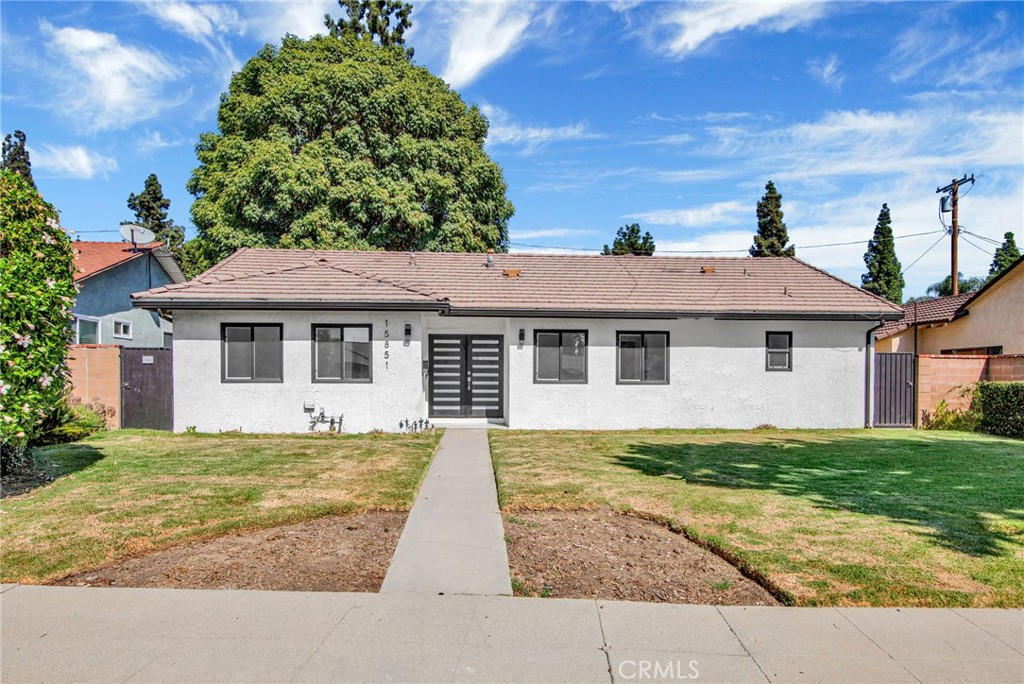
(96, 377)
(940, 376)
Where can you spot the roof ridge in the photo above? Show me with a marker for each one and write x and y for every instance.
(220, 264)
(381, 280)
(850, 285)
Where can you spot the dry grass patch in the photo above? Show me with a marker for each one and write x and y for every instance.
(129, 492)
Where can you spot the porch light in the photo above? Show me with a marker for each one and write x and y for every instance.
(408, 334)
(522, 337)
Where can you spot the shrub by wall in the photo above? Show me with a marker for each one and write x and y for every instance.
(1002, 408)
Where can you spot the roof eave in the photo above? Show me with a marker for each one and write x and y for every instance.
(153, 303)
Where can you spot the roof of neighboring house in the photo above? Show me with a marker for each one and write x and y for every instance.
(938, 310)
(520, 284)
(93, 258)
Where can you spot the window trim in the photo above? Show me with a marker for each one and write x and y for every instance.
(99, 329)
(312, 354)
(789, 350)
(224, 353)
(122, 322)
(643, 334)
(586, 356)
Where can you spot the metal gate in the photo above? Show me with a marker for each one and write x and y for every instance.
(894, 389)
(147, 389)
(466, 376)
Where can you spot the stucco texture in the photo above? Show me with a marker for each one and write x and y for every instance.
(717, 375)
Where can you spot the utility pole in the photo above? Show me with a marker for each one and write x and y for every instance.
(953, 191)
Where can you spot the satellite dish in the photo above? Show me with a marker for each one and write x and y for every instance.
(135, 234)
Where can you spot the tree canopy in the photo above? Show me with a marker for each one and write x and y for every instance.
(771, 236)
(1005, 256)
(339, 143)
(629, 241)
(16, 157)
(150, 207)
(884, 276)
(383, 21)
(944, 287)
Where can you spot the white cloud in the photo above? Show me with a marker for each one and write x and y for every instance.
(483, 34)
(546, 233)
(827, 71)
(74, 161)
(153, 140)
(270, 21)
(504, 131)
(709, 215)
(107, 84)
(197, 21)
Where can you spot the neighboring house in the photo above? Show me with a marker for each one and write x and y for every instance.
(989, 321)
(107, 273)
(287, 340)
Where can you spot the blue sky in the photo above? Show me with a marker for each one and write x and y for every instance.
(672, 115)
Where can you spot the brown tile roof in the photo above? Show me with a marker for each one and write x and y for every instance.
(95, 257)
(938, 310)
(546, 283)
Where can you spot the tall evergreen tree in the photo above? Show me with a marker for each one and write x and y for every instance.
(1006, 254)
(884, 276)
(629, 241)
(383, 21)
(771, 237)
(16, 157)
(150, 207)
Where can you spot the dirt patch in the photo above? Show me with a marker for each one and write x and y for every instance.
(605, 555)
(340, 553)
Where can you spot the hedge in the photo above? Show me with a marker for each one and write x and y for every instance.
(1002, 408)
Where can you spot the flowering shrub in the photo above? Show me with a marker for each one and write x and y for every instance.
(37, 291)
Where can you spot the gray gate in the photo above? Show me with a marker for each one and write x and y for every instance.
(894, 389)
(466, 374)
(147, 389)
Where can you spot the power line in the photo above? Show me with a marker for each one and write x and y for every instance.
(922, 255)
(980, 249)
(982, 237)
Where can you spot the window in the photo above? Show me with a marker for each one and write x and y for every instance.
(779, 351)
(342, 353)
(88, 331)
(974, 351)
(251, 352)
(642, 358)
(123, 330)
(560, 356)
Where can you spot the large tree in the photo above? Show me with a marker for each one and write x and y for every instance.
(16, 157)
(944, 287)
(1006, 254)
(884, 276)
(771, 236)
(340, 143)
(629, 241)
(382, 21)
(150, 207)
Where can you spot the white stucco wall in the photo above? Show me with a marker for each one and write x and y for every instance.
(717, 375)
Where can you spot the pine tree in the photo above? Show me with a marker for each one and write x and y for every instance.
(16, 157)
(771, 237)
(150, 207)
(1006, 254)
(629, 241)
(383, 21)
(884, 277)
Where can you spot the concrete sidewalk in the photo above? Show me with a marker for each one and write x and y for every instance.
(453, 541)
(70, 634)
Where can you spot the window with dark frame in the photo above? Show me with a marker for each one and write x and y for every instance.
(779, 351)
(252, 352)
(560, 356)
(342, 353)
(642, 358)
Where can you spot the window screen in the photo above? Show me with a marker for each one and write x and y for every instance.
(560, 356)
(342, 353)
(88, 331)
(643, 357)
(252, 353)
(779, 350)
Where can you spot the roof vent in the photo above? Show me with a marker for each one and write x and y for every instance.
(412, 258)
(512, 272)
(322, 260)
(490, 258)
(707, 269)
(786, 292)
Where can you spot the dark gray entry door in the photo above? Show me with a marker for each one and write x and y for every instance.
(147, 389)
(894, 389)
(466, 376)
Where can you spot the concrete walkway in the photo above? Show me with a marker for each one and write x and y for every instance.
(453, 541)
(70, 634)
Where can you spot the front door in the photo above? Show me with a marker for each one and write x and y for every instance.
(466, 374)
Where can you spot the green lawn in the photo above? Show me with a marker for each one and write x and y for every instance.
(132, 491)
(881, 517)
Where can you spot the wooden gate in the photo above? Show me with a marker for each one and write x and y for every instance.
(147, 389)
(466, 374)
(894, 389)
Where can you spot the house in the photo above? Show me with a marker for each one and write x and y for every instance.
(289, 340)
(107, 273)
(989, 321)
